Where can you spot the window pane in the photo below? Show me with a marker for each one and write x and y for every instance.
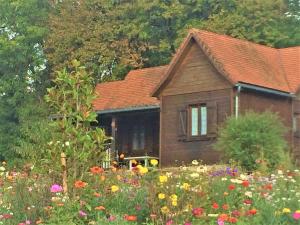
(203, 120)
(135, 141)
(194, 121)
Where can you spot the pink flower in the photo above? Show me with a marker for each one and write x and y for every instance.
(169, 222)
(296, 215)
(220, 222)
(111, 218)
(187, 223)
(82, 213)
(56, 188)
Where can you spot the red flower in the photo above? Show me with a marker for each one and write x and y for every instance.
(246, 183)
(225, 207)
(197, 212)
(248, 201)
(236, 213)
(251, 212)
(215, 205)
(231, 187)
(232, 220)
(6, 216)
(268, 187)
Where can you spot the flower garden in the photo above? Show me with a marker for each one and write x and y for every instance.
(191, 195)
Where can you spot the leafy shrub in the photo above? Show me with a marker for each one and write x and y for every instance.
(253, 140)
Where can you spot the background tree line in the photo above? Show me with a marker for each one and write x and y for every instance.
(110, 37)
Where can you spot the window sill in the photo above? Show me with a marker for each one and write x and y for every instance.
(199, 138)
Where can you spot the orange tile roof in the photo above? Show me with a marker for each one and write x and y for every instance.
(240, 61)
(133, 92)
(252, 63)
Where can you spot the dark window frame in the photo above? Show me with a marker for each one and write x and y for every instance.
(199, 136)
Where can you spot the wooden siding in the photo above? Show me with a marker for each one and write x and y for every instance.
(260, 102)
(195, 74)
(175, 151)
(296, 109)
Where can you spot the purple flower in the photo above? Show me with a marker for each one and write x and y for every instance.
(56, 188)
(82, 213)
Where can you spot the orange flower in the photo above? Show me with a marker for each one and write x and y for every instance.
(60, 204)
(100, 208)
(96, 170)
(223, 217)
(97, 194)
(130, 218)
(102, 178)
(122, 156)
(80, 184)
(225, 207)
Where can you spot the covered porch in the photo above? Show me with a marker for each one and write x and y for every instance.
(134, 132)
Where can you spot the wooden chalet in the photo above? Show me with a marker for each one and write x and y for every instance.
(174, 111)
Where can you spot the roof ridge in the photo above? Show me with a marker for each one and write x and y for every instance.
(230, 37)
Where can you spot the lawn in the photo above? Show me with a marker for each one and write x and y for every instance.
(186, 195)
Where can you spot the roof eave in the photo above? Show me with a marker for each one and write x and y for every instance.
(128, 109)
(265, 90)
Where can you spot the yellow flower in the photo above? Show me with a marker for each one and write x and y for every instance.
(286, 210)
(185, 186)
(163, 179)
(226, 193)
(114, 188)
(161, 196)
(164, 209)
(174, 203)
(143, 170)
(153, 162)
(173, 197)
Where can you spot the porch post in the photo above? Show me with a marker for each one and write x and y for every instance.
(113, 134)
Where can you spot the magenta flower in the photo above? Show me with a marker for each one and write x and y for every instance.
(82, 213)
(169, 222)
(56, 188)
(296, 215)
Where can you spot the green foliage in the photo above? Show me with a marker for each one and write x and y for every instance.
(253, 138)
(22, 76)
(111, 37)
(71, 101)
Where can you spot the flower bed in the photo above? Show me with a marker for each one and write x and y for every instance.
(188, 195)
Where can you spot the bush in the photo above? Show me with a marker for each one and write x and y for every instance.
(253, 140)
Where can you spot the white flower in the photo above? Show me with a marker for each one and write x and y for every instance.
(67, 143)
(244, 177)
(213, 215)
(202, 169)
(249, 194)
(2, 168)
(224, 179)
(194, 175)
(280, 172)
(236, 181)
(195, 162)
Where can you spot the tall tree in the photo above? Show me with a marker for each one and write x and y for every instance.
(111, 37)
(21, 64)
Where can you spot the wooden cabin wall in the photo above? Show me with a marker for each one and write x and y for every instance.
(260, 102)
(194, 81)
(176, 151)
(296, 111)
